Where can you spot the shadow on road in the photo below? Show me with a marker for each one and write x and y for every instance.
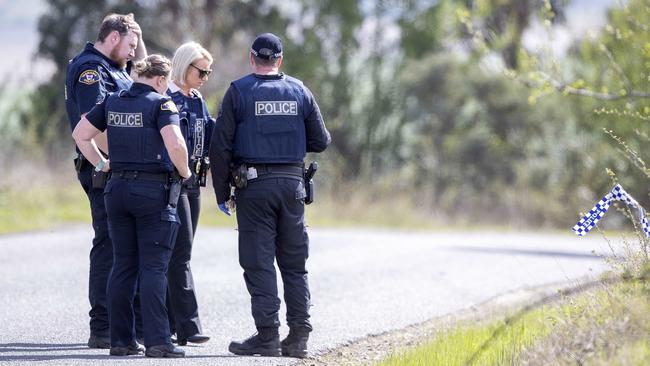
(41, 347)
(533, 252)
(26, 348)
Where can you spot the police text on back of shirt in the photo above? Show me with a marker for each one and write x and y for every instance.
(276, 108)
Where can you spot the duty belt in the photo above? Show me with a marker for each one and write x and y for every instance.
(135, 174)
(284, 169)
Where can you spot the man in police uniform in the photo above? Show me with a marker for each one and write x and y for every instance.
(268, 121)
(101, 68)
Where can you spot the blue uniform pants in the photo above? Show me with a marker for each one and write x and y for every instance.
(270, 217)
(143, 233)
(183, 307)
(101, 255)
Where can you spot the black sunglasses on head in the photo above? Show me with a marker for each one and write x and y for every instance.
(202, 73)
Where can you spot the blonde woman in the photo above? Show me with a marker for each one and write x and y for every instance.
(190, 69)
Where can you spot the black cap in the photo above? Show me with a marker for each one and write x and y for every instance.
(267, 46)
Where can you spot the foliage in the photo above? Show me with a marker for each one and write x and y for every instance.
(411, 105)
(475, 146)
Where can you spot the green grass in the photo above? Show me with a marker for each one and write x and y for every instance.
(50, 196)
(39, 207)
(459, 345)
(609, 326)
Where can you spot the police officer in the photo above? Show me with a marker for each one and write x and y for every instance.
(100, 68)
(266, 124)
(145, 144)
(190, 69)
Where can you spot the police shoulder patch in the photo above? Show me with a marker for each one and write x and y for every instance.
(89, 77)
(169, 106)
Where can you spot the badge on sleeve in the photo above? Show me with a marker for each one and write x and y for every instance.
(89, 77)
(169, 106)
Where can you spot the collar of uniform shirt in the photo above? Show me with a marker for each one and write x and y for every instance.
(173, 88)
(269, 76)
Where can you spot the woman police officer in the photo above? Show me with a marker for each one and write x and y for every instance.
(190, 69)
(145, 145)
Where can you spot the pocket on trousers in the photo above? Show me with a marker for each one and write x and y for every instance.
(300, 193)
(109, 186)
(170, 223)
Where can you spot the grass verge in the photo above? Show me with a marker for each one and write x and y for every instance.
(48, 199)
(609, 325)
(41, 207)
(470, 343)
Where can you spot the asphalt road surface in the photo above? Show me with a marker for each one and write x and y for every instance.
(362, 281)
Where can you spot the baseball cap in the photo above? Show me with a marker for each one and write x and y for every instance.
(267, 46)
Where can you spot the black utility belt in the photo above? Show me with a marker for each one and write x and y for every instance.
(254, 171)
(136, 174)
(244, 173)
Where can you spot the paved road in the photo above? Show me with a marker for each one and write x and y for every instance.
(363, 282)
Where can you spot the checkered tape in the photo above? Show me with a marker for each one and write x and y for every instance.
(616, 194)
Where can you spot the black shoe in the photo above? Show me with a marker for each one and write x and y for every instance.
(197, 338)
(164, 351)
(295, 345)
(131, 350)
(99, 342)
(257, 345)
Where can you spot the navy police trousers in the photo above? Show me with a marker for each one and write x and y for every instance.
(270, 216)
(143, 232)
(101, 255)
(183, 308)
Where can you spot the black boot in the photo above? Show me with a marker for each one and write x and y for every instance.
(133, 349)
(295, 345)
(264, 343)
(164, 351)
(96, 341)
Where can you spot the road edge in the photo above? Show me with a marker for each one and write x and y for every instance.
(375, 347)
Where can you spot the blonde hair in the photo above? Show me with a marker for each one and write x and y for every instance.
(184, 56)
(153, 65)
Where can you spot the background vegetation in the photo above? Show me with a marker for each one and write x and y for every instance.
(436, 108)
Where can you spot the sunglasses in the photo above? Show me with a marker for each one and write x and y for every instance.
(202, 73)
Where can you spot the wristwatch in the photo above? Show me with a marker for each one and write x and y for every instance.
(100, 165)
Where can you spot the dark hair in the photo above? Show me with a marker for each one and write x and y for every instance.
(265, 62)
(153, 65)
(115, 22)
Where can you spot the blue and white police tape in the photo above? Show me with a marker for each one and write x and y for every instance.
(616, 194)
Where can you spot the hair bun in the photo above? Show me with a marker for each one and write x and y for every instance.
(153, 65)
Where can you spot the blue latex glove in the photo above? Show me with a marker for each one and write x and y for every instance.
(224, 208)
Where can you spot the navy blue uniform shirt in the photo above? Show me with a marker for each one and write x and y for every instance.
(155, 111)
(230, 115)
(90, 76)
(197, 124)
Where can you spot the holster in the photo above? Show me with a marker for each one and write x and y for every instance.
(309, 190)
(99, 179)
(240, 176)
(201, 167)
(309, 182)
(175, 184)
(79, 162)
